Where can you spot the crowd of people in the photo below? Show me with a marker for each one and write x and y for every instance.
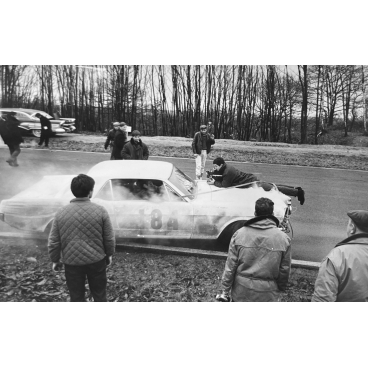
(122, 148)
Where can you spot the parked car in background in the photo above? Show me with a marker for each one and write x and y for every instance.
(29, 122)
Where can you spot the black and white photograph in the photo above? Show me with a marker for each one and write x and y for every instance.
(173, 161)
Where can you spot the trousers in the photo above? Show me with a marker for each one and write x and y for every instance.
(97, 281)
(200, 163)
(45, 135)
(14, 149)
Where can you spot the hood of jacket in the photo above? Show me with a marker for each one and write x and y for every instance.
(263, 222)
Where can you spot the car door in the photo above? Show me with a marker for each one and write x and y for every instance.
(164, 216)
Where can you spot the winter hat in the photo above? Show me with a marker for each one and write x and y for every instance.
(218, 161)
(360, 219)
(116, 124)
(135, 133)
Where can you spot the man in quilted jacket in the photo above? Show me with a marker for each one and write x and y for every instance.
(82, 238)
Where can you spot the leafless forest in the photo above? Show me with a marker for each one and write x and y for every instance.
(292, 104)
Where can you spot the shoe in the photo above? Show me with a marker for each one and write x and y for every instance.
(301, 195)
(10, 161)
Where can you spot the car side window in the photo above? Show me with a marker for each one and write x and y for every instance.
(172, 196)
(105, 193)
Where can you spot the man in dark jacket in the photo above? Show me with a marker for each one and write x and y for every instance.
(259, 259)
(135, 149)
(201, 147)
(11, 136)
(83, 239)
(343, 274)
(45, 130)
(111, 137)
(121, 138)
(225, 176)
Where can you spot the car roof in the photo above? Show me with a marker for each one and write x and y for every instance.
(129, 169)
(29, 111)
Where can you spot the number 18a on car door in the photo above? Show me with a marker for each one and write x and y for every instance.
(164, 218)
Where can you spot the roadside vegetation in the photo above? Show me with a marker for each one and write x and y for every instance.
(26, 275)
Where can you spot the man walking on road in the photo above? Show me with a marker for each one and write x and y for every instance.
(135, 149)
(111, 137)
(225, 176)
(201, 147)
(343, 274)
(45, 130)
(259, 259)
(120, 139)
(11, 136)
(82, 238)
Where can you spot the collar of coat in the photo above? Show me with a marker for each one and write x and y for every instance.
(82, 199)
(132, 141)
(352, 238)
(260, 218)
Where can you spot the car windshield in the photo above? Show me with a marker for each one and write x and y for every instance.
(42, 113)
(183, 182)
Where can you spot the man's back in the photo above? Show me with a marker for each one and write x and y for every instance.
(262, 259)
(85, 232)
(344, 274)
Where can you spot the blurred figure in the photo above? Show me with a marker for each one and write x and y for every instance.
(343, 274)
(45, 130)
(111, 137)
(201, 146)
(259, 259)
(135, 149)
(11, 136)
(82, 238)
(120, 139)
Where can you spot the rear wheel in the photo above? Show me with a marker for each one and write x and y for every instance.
(36, 133)
(223, 240)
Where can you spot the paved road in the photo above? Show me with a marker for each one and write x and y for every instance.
(318, 224)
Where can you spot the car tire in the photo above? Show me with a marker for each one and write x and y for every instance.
(36, 133)
(223, 241)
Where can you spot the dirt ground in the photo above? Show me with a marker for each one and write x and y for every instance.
(26, 275)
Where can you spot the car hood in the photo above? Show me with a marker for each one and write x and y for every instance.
(241, 197)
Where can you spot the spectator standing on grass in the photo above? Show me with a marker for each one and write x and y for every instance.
(259, 259)
(111, 137)
(135, 149)
(201, 147)
(11, 136)
(225, 176)
(120, 139)
(45, 130)
(343, 274)
(82, 238)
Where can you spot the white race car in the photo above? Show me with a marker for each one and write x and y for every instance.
(148, 200)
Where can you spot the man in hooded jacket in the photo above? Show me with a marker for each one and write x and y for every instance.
(343, 274)
(135, 149)
(111, 137)
(259, 259)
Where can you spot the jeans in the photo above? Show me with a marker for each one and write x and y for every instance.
(97, 281)
(200, 163)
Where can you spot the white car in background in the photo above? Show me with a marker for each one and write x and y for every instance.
(30, 123)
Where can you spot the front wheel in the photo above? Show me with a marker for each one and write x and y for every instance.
(36, 133)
